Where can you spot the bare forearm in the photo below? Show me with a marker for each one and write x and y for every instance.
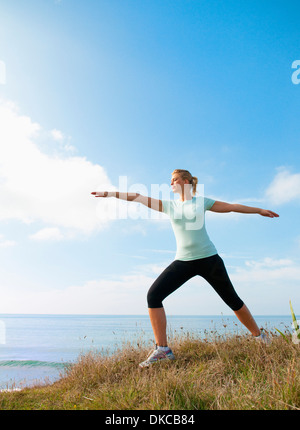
(139, 198)
(123, 196)
(219, 206)
(245, 209)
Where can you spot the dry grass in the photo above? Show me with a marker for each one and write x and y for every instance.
(223, 374)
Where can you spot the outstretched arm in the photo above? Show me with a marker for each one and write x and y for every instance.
(233, 207)
(151, 203)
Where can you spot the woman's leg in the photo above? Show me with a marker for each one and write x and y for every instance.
(159, 325)
(175, 275)
(215, 273)
(247, 319)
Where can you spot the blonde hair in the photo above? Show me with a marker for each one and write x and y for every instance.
(185, 174)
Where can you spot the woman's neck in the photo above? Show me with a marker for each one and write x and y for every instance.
(186, 197)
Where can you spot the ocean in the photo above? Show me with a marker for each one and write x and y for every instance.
(35, 349)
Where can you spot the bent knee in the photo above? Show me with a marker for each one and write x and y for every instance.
(153, 300)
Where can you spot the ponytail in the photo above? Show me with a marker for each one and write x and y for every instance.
(194, 184)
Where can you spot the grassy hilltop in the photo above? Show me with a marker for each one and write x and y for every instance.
(232, 373)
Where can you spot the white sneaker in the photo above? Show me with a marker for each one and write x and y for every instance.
(263, 338)
(158, 355)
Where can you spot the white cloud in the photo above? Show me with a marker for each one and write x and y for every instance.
(123, 295)
(50, 233)
(268, 284)
(265, 285)
(269, 263)
(2, 73)
(284, 188)
(36, 186)
(64, 141)
(5, 243)
(268, 271)
(57, 135)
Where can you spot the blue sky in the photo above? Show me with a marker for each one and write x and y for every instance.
(92, 91)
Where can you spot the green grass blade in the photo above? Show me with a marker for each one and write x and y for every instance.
(283, 335)
(295, 321)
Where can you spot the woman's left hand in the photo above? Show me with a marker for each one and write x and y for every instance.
(270, 214)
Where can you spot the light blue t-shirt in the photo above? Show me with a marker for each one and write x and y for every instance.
(188, 222)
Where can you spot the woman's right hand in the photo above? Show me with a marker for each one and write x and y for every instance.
(100, 193)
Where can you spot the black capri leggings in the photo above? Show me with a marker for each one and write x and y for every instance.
(212, 269)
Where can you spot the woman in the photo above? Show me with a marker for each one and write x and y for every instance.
(196, 255)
